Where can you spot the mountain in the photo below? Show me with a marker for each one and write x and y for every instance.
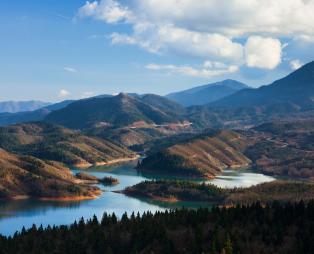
(29, 116)
(289, 98)
(55, 143)
(116, 111)
(293, 91)
(204, 155)
(26, 176)
(208, 93)
(21, 106)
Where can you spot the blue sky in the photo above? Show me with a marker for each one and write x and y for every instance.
(54, 50)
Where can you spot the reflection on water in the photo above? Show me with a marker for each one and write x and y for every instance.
(16, 214)
(232, 179)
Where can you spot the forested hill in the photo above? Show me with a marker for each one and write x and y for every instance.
(204, 155)
(117, 111)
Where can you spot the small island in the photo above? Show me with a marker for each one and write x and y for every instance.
(175, 191)
(108, 180)
(87, 178)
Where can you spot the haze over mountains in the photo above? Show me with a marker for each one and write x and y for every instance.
(202, 95)
(27, 116)
(21, 106)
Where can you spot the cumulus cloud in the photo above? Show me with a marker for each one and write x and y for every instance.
(263, 52)
(70, 69)
(235, 32)
(208, 70)
(63, 93)
(169, 38)
(234, 17)
(295, 64)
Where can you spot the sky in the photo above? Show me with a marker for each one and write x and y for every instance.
(55, 50)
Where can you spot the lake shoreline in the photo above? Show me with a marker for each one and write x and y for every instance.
(96, 194)
(84, 165)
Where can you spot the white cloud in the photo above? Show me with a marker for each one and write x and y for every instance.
(295, 64)
(70, 69)
(209, 29)
(110, 11)
(230, 17)
(208, 70)
(63, 93)
(263, 52)
(233, 17)
(169, 38)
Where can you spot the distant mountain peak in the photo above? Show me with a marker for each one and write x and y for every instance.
(295, 90)
(207, 93)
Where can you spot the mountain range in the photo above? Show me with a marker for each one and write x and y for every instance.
(228, 104)
(205, 94)
(28, 116)
(21, 106)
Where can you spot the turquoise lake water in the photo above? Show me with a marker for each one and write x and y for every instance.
(16, 214)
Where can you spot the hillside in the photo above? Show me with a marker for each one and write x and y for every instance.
(205, 155)
(21, 106)
(52, 142)
(29, 116)
(26, 176)
(283, 148)
(202, 95)
(117, 111)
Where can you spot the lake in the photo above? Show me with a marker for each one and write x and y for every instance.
(16, 214)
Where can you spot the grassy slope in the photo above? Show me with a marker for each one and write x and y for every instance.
(204, 155)
(28, 176)
(51, 142)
